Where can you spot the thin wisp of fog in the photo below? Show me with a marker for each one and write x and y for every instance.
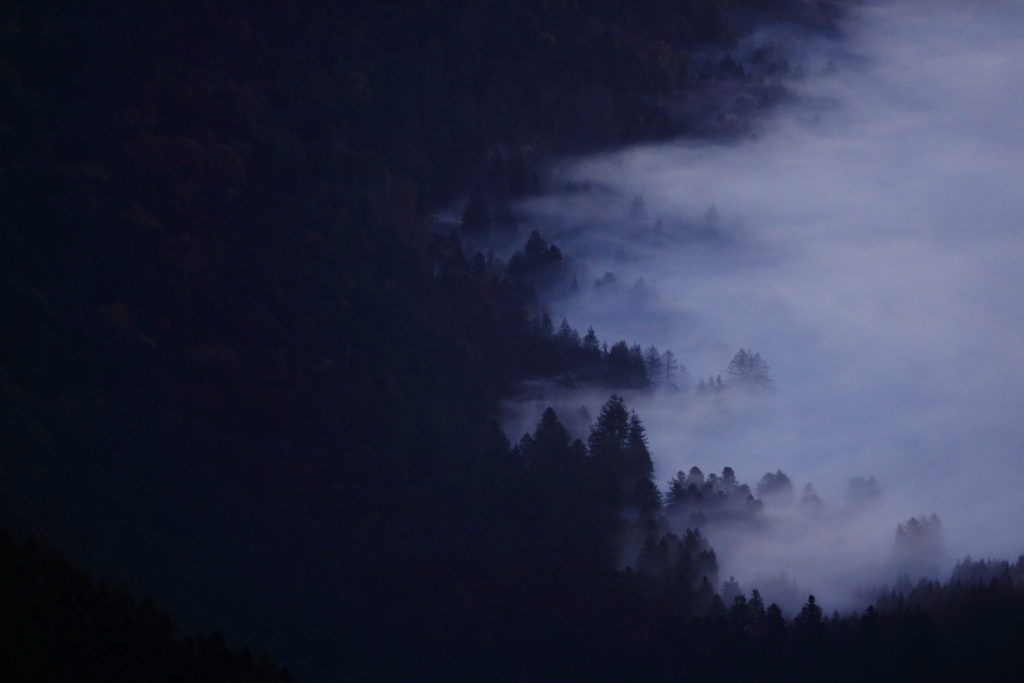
(868, 243)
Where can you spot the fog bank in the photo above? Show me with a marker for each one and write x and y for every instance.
(868, 242)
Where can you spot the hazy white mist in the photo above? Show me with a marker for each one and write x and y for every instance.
(869, 243)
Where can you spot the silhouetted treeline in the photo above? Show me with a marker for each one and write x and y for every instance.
(698, 499)
(490, 305)
(969, 570)
(958, 632)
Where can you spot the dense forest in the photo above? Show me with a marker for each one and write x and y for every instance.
(246, 372)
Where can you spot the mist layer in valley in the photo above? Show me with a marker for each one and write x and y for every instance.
(867, 241)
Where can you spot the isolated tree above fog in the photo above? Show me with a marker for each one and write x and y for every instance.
(749, 370)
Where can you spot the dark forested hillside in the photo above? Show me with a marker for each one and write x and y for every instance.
(61, 625)
(242, 373)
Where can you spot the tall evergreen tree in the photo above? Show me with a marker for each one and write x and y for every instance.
(567, 336)
(608, 437)
(638, 457)
(670, 370)
(748, 370)
(618, 449)
(655, 368)
(549, 446)
(676, 493)
(641, 491)
(640, 378)
(590, 343)
(620, 365)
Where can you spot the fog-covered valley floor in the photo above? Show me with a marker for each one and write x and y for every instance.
(867, 241)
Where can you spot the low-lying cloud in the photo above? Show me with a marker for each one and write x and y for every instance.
(868, 241)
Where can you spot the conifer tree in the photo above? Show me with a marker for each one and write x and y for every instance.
(748, 370)
(549, 446)
(568, 337)
(642, 491)
(655, 368)
(607, 440)
(590, 344)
